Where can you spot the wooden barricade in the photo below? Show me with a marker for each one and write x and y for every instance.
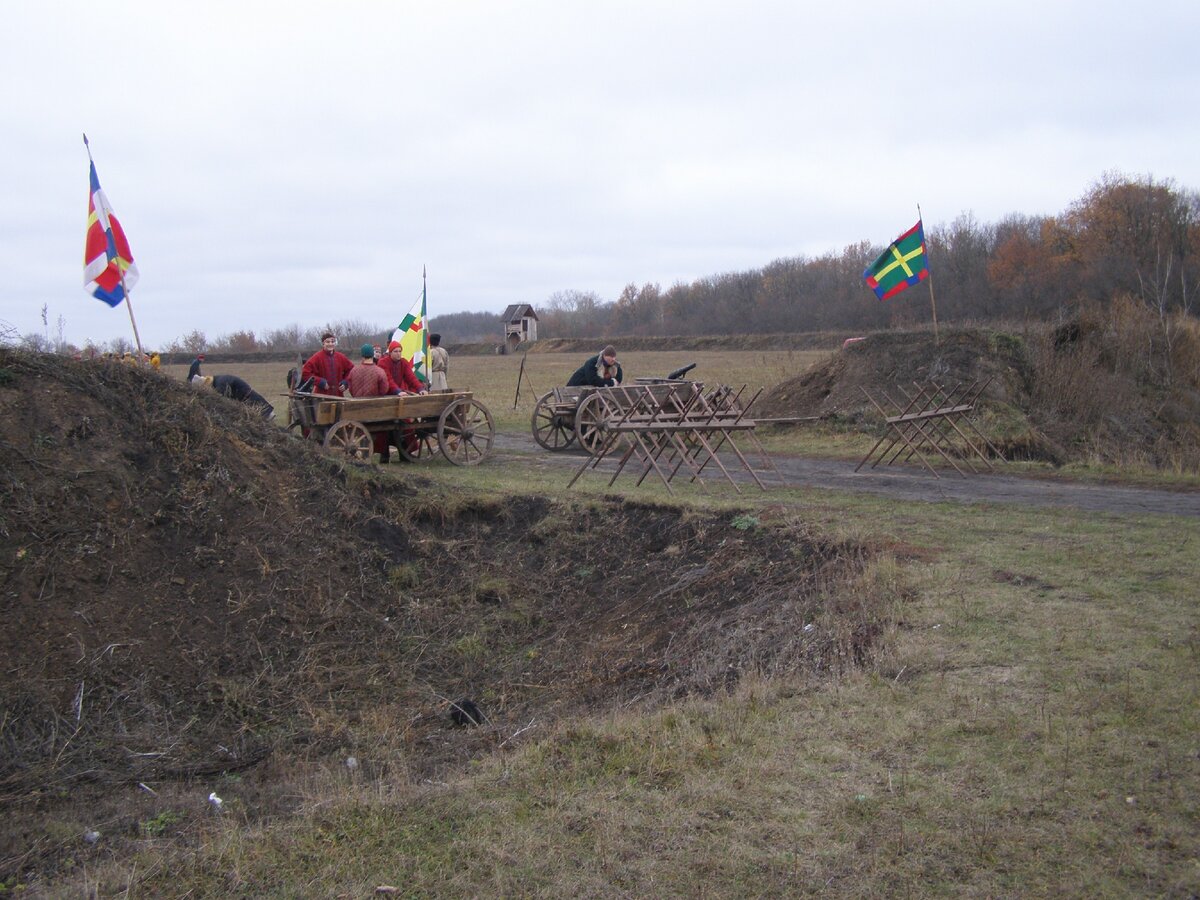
(674, 427)
(929, 421)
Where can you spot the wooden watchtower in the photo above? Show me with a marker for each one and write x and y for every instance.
(520, 325)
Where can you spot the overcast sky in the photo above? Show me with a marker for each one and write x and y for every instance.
(277, 163)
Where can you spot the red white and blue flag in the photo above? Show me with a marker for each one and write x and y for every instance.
(106, 253)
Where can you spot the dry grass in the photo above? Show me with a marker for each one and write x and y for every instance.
(1031, 732)
(1031, 729)
(1121, 386)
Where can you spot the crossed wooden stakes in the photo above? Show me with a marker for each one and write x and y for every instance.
(671, 428)
(929, 421)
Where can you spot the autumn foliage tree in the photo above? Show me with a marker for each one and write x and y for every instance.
(1125, 237)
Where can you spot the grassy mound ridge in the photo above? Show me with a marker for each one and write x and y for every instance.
(1116, 386)
(189, 591)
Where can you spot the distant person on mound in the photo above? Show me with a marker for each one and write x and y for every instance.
(194, 370)
(601, 370)
(439, 364)
(236, 389)
(400, 371)
(327, 367)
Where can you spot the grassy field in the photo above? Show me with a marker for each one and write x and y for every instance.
(1032, 729)
(494, 379)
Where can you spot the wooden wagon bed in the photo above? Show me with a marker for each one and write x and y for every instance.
(453, 422)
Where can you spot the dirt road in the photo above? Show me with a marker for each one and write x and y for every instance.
(917, 484)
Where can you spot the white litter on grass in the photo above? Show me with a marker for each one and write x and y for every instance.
(91, 836)
(215, 800)
(351, 763)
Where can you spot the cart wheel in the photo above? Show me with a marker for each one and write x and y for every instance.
(551, 429)
(589, 416)
(351, 438)
(414, 445)
(465, 432)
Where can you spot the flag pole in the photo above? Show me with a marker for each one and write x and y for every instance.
(141, 357)
(932, 300)
(425, 326)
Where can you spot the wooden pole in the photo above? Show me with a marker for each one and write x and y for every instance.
(520, 375)
(933, 303)
(141, 357)
(932, 299)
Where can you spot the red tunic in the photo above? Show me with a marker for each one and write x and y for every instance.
(331, 367)
(400, 374)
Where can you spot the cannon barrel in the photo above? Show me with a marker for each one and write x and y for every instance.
(680, 372)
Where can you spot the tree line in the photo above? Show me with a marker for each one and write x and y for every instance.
(1126, 236)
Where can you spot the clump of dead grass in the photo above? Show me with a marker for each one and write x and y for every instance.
(1120, 384)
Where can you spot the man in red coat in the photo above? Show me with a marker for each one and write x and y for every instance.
(402, 380)
(400, 371)
(327, 367)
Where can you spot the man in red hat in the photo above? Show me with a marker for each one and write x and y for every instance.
(195, 369)
(400, 371)
(403, 381)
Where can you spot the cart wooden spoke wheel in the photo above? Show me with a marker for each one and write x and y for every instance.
(415, 445)
(351, 438)
(589, 421)
(465, 432)
(552, 428)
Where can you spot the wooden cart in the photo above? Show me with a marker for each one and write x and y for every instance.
(453, 422)
(556, 421)
(566, 415)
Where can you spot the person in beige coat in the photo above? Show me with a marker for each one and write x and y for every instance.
(439, 363)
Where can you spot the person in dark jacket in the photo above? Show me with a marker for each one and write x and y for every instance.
(601, 370)
(195, 367)
(237, 389)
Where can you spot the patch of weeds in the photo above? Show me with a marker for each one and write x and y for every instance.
(492, 590)
(470, 646)
(403, 577)
(744, 522)
(6, 378)
(12, 885)
(584, 572)
(860, 808)
(157, 826)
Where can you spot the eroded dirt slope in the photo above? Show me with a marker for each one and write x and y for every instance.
(187, 590)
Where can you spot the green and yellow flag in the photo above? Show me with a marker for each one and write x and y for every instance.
(900, 266)
(414, 338)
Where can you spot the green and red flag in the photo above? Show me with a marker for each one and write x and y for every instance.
(903, 264)
(414, 338)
